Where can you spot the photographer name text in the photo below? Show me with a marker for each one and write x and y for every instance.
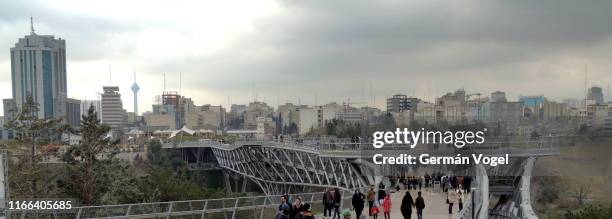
(426, 159)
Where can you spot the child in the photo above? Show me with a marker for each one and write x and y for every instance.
(387, 207)
(375, 211)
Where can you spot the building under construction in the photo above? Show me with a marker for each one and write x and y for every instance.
(171, 103)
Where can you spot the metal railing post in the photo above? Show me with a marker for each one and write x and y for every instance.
(261, 214)
(127, 212)
(169, 210)
(235, 208)
(204, 209)
(224, 211)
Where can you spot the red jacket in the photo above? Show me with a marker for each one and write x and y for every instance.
(387, 204)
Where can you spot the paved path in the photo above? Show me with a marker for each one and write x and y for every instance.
(435, 205)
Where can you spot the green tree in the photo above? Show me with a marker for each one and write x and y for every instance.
(124, 185)
(157, 156)
(28, 177)
(331, 127)
(549, 189)
(89, 163)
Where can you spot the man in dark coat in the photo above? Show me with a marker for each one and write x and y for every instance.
(407, 205)
(358, 203)
(328, 203)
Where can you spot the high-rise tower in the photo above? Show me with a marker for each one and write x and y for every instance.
(113, 113)
(135, 89)
(38, 68)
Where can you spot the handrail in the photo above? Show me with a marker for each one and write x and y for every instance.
(176, 208)
(526, 210)
(479, 196)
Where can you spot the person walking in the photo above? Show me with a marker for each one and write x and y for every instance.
(451, 198)
(467, 184)
(370, 196)
(382, 193)
(407, 205)
(337, 202)
(328, 202)
(419, 205)
(358, 203)
(443, 182)
(387, 207)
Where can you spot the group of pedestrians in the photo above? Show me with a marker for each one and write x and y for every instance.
(379, 199)
(408, 204)
(384, 202)
(377, 203)
(455, 182)
(295, 209)
(331, 202)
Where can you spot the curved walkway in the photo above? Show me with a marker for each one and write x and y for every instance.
(435, 205)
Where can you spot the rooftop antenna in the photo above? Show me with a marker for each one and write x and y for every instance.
(180, 82)
(609, 92)
(164, 82)
(32, 25)
(373, 99)
(586, 92)
(254, 94)
(363, 91)
(110, 75)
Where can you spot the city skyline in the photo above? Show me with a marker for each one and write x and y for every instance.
(285, 49)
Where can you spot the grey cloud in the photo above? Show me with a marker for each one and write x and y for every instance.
(332, 47)
(399, 44)
(88, 37)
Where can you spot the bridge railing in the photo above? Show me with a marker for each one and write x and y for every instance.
(348, 144)
(478, 201)
(524, 194)
(237, 207)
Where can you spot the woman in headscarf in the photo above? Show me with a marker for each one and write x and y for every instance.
(407, 205)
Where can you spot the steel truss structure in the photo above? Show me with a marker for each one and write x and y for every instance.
(279, 170)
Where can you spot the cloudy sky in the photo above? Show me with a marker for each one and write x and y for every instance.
(320, 50)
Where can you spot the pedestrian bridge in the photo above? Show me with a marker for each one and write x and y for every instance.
(278, 167)
(293, 166)
(314, 164)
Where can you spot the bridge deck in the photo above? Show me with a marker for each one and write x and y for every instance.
(435, 205)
